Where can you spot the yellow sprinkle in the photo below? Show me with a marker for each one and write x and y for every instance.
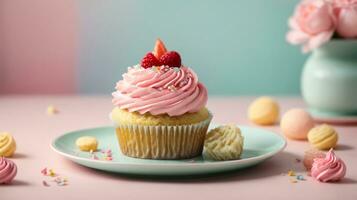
(51, 110)
(51, 173)
(291, 173)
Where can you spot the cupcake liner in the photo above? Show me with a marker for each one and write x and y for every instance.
(162, 142)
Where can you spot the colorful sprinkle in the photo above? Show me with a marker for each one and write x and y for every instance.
(44, 183)
(155, 69)
(172, 88)
(291, 173)
(95, 157)
(44, 171)
(61, 181)
(300, 178)
(51, 173)
(51, 110)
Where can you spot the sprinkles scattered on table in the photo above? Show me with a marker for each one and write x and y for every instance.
(61, 181)
(294, 178)
(58, 179)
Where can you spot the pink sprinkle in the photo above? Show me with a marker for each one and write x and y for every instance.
(109, 158)
(44, 171)
(109, 151)
(95, 157)
(44, 183)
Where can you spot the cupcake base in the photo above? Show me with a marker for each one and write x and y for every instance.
(162, 142)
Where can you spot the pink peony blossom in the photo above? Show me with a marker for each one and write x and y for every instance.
(312, 24)
(346, 13)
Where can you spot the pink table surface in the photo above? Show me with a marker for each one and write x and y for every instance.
(25, 117)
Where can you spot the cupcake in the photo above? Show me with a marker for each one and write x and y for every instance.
(160, 108)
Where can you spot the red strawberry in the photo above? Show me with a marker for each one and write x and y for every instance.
(149, 60)
(159, 49)
(171, 58)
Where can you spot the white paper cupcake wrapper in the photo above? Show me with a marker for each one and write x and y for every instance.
(162, 142)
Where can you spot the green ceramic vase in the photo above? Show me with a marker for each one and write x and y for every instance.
(329, 78)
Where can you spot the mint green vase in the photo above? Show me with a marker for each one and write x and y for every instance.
(329, 78)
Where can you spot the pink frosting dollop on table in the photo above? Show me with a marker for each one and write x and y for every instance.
(328, 169)
(160, 90)
(8, 170)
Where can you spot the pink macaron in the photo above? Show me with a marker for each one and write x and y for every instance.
(296, 123)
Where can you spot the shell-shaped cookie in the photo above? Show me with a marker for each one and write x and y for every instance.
(224, 143)
(323, 137)
(7, 145)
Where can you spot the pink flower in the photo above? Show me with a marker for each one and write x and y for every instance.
(312, 24)
(346, 12)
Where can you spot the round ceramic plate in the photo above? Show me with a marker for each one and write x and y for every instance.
(259, 145)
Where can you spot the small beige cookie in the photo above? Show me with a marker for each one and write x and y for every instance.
(87, 143)
(224, 143)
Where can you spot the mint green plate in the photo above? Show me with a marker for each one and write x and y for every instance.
(259, 145)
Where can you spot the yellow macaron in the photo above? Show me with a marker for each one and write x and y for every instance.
(87, 143)
(263, 111)
(323, 137)
(7, 144)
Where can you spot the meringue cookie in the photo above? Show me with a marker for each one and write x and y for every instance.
(328, 169)
(224, 143)
(323, 137)
(263, 111)
(7, 145)
(8, 170)
(87, 143)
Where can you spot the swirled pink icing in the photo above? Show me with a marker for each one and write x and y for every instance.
(330, 168)
(8, 170)
(160, 90)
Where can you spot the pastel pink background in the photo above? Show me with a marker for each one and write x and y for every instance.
(37, 46)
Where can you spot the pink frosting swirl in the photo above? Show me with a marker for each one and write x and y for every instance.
(160, 90)
(330, 168)
(8, 170)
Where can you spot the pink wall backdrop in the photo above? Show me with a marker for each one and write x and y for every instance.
(38, 42)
